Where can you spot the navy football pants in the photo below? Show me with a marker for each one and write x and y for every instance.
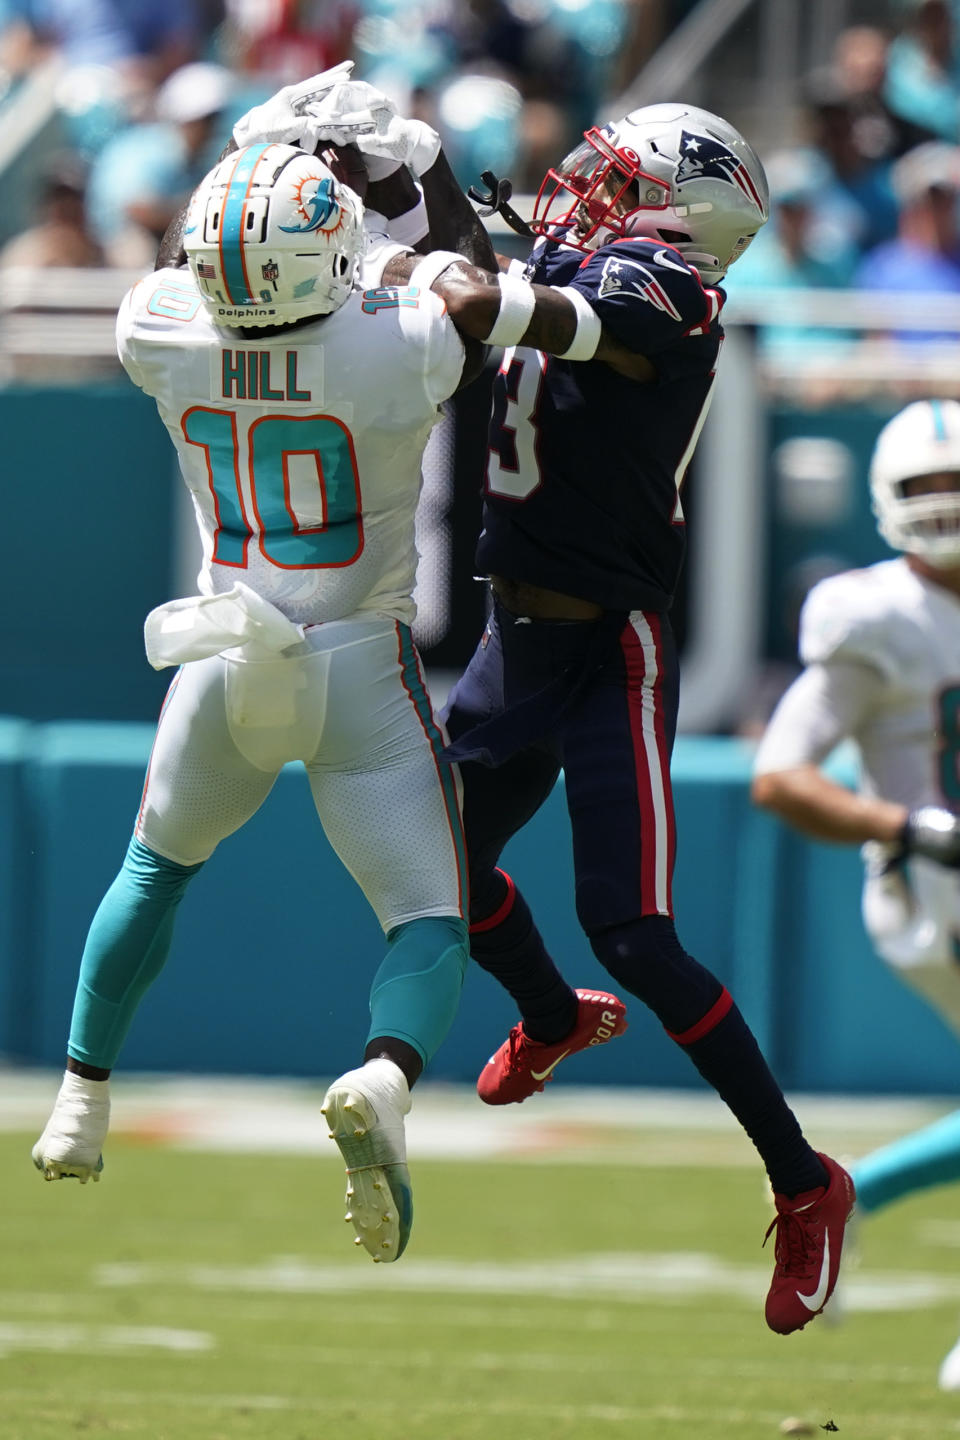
(600, 700)
(609, 723)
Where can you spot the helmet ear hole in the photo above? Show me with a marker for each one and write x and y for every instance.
(674, 237)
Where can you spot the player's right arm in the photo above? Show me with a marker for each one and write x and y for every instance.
(471, 286)
(846, 641)
(825, 705)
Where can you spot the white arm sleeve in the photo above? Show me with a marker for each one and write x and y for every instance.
(826, 704)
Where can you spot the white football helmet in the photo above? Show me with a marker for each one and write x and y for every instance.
(273, 237)
(670, 172)
(923, 439)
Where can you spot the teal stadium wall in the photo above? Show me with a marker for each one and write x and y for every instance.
(275, 946)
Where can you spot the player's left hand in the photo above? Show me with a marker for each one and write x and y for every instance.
(284, 119)
(401, 142)
(934, 833)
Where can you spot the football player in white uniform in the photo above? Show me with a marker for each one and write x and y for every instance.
(299, 403)
(881, 647)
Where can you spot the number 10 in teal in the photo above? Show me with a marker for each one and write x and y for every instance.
(271, 441)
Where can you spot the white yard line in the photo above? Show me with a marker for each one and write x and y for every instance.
(674, 1278)
(637, 1126)
(97, 1339)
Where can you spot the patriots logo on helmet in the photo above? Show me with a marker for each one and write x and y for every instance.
(704, 159)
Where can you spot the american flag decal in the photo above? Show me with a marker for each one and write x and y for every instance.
(206, 271)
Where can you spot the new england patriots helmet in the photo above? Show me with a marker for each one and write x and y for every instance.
(273, 237)
(923, 439)
(669, 172)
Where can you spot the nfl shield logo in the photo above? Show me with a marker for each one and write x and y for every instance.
(270, 271)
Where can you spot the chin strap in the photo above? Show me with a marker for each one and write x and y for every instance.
(494, 202)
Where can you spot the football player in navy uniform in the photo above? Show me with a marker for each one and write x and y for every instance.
(583, 540)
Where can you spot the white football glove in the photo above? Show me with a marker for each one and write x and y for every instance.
(402, 142)
(283, 119)
(934, 833)
(348, 111)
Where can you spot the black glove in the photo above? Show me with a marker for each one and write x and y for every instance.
(933, 833)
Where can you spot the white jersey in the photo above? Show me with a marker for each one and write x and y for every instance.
(906, 629)
(301, 449)
(882, 651)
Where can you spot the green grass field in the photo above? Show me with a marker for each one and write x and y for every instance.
(193, 1296)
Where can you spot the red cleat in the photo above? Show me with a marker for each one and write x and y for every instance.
(522, 1066)
(808, 1245)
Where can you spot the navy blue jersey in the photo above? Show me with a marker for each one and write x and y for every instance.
(585, 466)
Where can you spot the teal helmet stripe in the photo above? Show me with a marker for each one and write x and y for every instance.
(939, 424)
(233, 266)
(414, 686)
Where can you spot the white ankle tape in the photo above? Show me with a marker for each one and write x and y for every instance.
(586, 337)
(81, 1097)
(517, 304)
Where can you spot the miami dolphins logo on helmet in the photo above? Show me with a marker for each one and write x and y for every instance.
(704, 159)
(318, 206)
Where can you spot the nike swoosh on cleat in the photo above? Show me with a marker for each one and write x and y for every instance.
(542, 1075)
(815, 1301)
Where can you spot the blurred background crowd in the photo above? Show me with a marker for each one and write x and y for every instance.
(862, 153)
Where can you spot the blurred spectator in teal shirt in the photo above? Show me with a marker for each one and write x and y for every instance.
(806, 245)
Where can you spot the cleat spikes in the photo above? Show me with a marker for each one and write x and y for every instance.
(365, 1111)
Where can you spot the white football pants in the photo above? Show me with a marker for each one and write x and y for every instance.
(350, 703)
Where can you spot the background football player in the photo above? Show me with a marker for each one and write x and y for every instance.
(881, 648)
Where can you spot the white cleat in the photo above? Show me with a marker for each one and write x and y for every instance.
(949, 1376)
(364, 1110)
(70, 1146)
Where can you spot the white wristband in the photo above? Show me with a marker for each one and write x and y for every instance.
(517, 304)
(586, 337)
(433, 265)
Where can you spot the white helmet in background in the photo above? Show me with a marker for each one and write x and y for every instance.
(669, 172)
(924, 439)
(273, 237)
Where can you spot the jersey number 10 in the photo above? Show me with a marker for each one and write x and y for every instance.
(272, 441)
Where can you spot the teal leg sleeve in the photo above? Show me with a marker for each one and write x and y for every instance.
(927, 1157)
(127, 944)
(416, 991)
